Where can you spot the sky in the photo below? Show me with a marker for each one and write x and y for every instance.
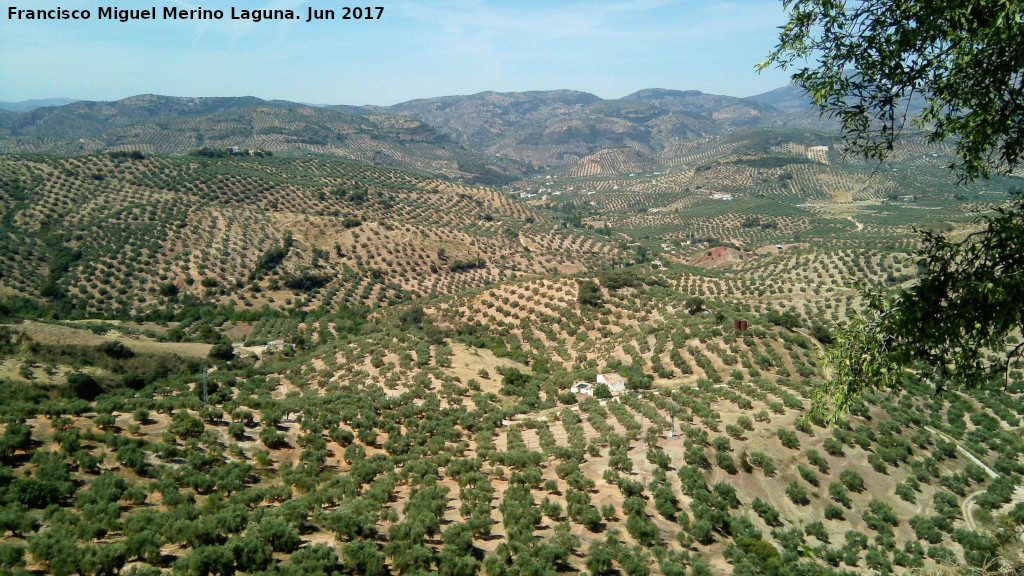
(418, 49)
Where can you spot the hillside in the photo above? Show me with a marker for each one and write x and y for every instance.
(757, 188)
(481, 118)
(789, 99)
(107, 235)
(486, 138)
(217, 363)
(449, 438)
(731, 111)
(169, 126)
(800, 109)
(83, 119)
(559, 127)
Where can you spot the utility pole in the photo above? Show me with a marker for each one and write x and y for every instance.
(206, 396)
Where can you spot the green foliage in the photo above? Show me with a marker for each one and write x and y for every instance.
(590, 294)
(184, 425)
(116, 350)
(788, 319)
(870, 62)
(838, 492)
(273, 257)
(767, 512)
(965, 306)
(279, 534)
(788, 439)
(797, 493)
(222, 351)
(307, 282)
(808, 475)
(84, 386)
(852, 480)
(16, 436)
(412, 316)
(873, 59)
(599, 559)
(833, 512)
(625, 278)
(37, 493)
(464, 265)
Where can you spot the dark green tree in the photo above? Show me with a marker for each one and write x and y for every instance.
(865, 63)
(590, 294)
(964, 60)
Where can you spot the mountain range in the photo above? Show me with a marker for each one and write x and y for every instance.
(489, 138)
(27, 105)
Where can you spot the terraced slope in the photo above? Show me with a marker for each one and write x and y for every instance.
(702, 460)
(759, 188)
(418, 415)
(100, 234)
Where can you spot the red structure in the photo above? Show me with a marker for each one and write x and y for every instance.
(740, 325)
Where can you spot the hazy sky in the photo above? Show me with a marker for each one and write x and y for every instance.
(418, 49)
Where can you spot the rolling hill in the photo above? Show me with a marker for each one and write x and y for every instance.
(105, 235)
(730, 111)
(169, 125)
(220, 363)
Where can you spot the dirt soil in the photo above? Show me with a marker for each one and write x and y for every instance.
(57, 334)
(467, 363)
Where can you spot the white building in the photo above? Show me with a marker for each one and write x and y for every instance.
(614, 381)
(583, 388)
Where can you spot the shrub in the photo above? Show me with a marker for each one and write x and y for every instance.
(852, 480)
(185, 425)
(807, 474)
(833, 512)
(83, 386)
(115, 349)
(222, 351)
(838, 492)
(797, 494)
(788, 439)
(589, 294)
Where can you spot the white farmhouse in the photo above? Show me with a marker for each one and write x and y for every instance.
(614, 381)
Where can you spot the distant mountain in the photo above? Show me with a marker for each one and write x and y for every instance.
(559, 127)
(486, 138)
(801, 110)
(169, 125)
(790, 99)
(90, 119)
(26, 105)
(730, 110)
(482, 119)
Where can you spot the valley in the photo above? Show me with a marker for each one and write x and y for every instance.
(507, 333)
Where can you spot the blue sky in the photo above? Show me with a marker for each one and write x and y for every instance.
(418, 49)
